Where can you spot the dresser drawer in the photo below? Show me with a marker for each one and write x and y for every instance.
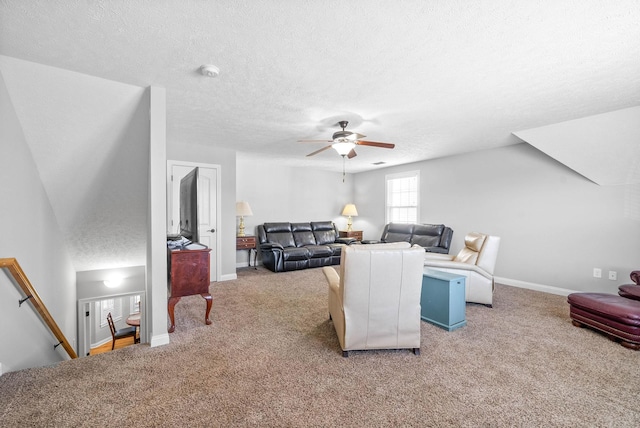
(245, 242)
(356, 234)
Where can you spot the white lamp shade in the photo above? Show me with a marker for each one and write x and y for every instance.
(350, 209)
(243, 209)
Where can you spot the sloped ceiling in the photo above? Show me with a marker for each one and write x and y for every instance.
(605, 148)
(89, 138)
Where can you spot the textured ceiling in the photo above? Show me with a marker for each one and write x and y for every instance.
(436, 78)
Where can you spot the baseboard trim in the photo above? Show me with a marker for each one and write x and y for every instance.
(228, 277)
(100, 343)
(533, 286)
(159, 340)
(246, 264)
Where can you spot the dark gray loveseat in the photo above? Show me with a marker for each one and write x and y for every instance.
(434, 238)
(292, 246)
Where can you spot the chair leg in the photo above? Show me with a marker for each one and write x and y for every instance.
(113, 344)
(345, 354)
(416, 351)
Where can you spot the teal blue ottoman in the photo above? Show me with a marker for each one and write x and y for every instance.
(443, 299)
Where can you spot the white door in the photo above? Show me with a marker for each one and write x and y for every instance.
(207, 206)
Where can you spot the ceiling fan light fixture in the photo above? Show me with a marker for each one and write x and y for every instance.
(343, 148)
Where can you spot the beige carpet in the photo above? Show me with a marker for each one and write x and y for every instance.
(271, 358)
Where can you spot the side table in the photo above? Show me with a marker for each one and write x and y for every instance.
(248, 242)
(443, 299)
(356, 234)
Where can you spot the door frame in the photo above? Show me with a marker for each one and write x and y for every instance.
(217, 169)
(84, 327)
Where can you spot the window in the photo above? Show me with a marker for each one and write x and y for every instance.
(110, 305)
(402, 197)
(134, 304)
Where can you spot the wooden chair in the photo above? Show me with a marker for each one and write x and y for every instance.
(120, 334)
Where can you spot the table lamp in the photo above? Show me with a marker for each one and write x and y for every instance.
(242, 209)
(350, 210)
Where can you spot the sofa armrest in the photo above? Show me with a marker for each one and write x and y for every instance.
(458, 266)
(438, 257)
(630, 291)
(332, 278)
(347, 241)
(271, 246)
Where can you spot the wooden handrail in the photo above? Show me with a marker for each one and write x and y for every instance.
(32, 295)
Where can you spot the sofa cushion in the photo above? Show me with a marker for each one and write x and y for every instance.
(279, 233)
(277, 227)
(398, 232)
(609, 306)
(295, 253)
(300, 227)
(427, 235)
(316, 251)
(304, 238)
(472, 245)
(324, 232)
(302, 234)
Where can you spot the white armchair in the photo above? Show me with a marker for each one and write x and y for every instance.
(374, 301)
(476, 261)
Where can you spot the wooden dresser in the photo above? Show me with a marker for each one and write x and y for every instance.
(188, 275)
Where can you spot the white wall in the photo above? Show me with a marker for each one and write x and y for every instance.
(156, 281)
(289, 194)
(555, 225)
(30, 233)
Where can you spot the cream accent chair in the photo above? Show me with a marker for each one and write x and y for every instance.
(374, 301)
(476, 261)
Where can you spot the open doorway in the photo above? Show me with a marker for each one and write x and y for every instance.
(127, 310)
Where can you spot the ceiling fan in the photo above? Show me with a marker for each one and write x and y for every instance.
(344, 142)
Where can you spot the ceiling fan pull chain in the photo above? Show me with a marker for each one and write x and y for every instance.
(343, 167)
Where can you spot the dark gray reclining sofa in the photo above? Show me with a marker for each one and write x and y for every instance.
(292, 246)
(434, 238)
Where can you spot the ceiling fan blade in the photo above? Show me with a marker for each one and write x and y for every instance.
(320, 150)
(354, 136)
(315, 141)
(375, 144)
(352, 154)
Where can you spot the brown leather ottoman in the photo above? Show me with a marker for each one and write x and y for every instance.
(618, 317)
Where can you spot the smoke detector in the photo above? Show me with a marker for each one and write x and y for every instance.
(209, 70)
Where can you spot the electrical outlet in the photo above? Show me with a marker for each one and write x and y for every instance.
(613, 275)
(597, 273)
